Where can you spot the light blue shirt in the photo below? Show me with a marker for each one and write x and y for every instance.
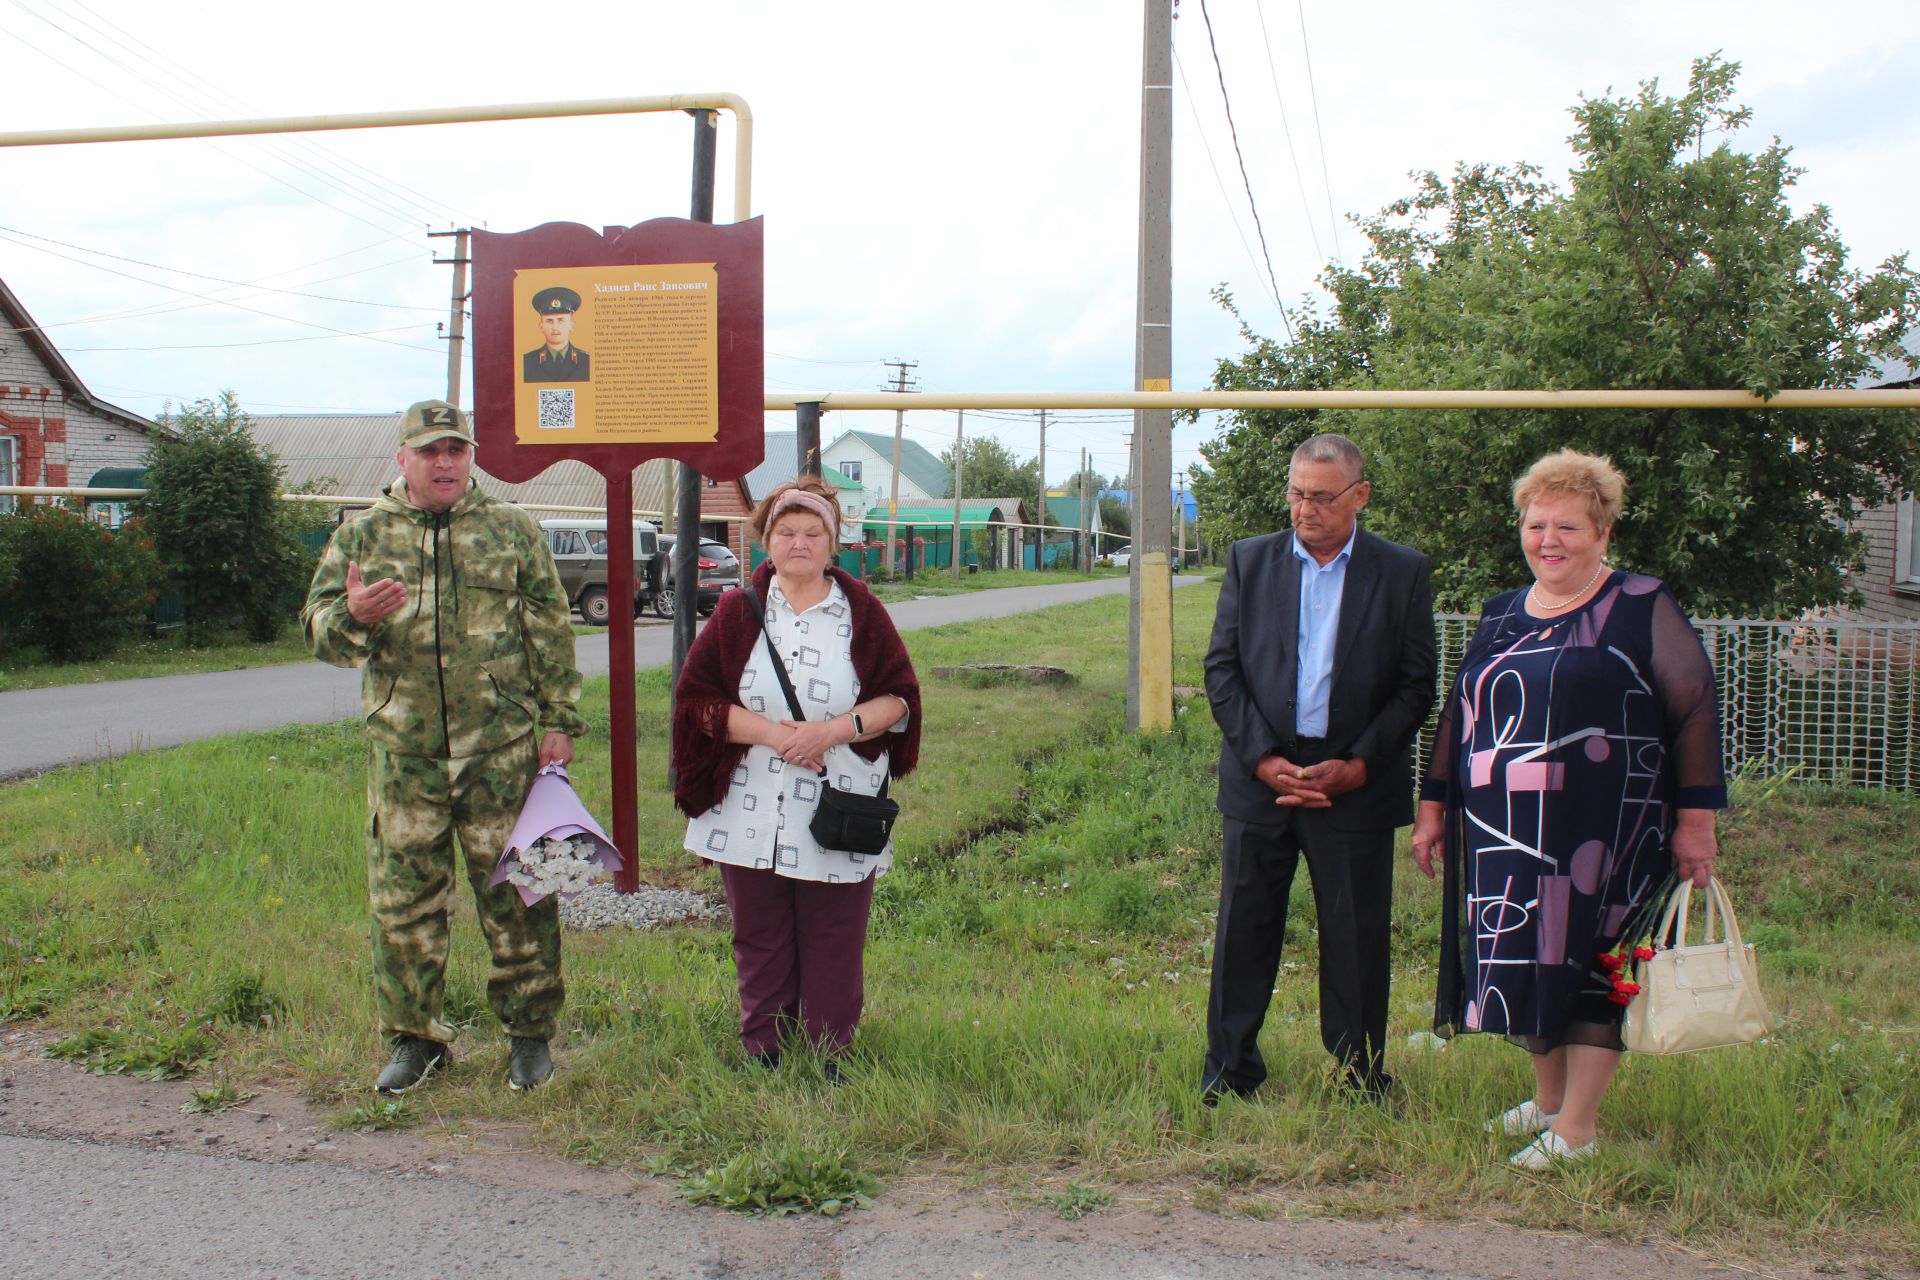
(1321, 586)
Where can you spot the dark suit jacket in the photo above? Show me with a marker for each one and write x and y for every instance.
(1383, 675)
(538, 366)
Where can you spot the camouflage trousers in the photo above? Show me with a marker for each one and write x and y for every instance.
(416, 805)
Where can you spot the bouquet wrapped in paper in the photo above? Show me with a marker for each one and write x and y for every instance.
(556, 846)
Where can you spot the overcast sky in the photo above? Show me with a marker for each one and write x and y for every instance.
(951, 184)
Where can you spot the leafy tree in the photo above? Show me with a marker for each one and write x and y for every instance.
(225, 537)
(74, 587)
(990, 470)
(1672, 261)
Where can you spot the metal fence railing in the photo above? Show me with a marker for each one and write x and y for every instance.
(1839, 702)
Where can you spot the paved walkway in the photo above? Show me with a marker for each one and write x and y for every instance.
(42, 729)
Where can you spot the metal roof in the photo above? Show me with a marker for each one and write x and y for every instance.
(932, 476)
(974, 514)
(351, 454)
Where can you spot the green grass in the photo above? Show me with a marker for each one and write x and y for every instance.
(168, 655)
(941, 582)
(1037, 979)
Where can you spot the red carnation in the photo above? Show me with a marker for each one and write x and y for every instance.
(1627, 988)
(1643, 952)
(1612, 963)
(1620, 997)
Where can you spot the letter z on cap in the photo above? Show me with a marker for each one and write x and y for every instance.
(432, 420)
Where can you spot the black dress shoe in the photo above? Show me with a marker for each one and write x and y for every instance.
(830, 1072)
(414, 1059)
(1213, 1090)
(766, 1059)
(529, 1065)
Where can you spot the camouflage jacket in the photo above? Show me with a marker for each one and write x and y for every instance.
(480, 655)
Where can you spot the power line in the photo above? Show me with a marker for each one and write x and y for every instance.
(810, 360)
(1253, 208)
(161, 284)
(1286, 130)
(1314, 97)
(201, 275)
(179, 84)
(208, 143)
(218, 94)
(1207, 149)
(170, 308)
(260, 342)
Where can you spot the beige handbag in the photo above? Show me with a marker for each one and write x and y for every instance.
(1698, 995)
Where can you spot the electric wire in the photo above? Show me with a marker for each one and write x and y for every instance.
(431, 206)
(1234, 132)
(161, 284)
(258, 342)
(201, 275)
(1313, 96)
(176, 91)
(1206, 148)
(1286, 131)
(170, 308)
(206, 142)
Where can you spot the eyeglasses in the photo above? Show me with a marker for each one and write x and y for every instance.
(1320, 500)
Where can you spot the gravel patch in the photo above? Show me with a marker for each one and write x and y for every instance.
(603, 907)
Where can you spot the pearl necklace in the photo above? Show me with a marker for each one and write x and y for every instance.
(1544, 603)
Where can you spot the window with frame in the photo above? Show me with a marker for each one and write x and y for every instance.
(9, 470)
(851, 470)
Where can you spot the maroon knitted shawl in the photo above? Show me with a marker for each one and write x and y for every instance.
(709, 684)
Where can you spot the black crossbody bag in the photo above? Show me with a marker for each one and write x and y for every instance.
(844, 820)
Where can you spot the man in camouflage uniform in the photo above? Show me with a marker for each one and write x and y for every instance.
(449, 601)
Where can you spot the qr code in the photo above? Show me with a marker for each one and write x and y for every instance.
(556, 408)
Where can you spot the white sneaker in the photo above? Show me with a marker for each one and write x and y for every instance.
(1521, 1120)
(1548, 1150)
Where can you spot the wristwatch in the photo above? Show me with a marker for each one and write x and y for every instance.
(858, 728)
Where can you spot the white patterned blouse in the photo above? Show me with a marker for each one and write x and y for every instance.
(763, 819)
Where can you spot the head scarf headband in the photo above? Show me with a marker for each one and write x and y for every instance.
(801, 500)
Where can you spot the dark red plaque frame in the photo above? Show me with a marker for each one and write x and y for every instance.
(735, 249)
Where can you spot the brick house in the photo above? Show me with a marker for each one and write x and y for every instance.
(53, 431)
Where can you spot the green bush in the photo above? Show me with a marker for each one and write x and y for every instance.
(73, 587)
(228, 541)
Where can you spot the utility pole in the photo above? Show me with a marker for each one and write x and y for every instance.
(1180, 529)
(457, 322)
(1040, 516)
(900, 368)
(1150, 631)
(959, 461)
(1085, 527)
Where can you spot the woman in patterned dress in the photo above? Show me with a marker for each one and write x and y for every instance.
(746, 770)
(1576, 768)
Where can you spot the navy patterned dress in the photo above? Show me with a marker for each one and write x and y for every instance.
(1562, 753)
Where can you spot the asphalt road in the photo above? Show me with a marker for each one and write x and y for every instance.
(43, 729)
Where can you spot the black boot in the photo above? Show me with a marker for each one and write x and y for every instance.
(414, 1059)
(529, 1065)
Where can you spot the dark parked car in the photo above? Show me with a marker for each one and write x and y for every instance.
(719, 571)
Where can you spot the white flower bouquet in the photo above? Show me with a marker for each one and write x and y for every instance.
(556, 846)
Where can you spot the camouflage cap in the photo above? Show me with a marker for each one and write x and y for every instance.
(432, 420)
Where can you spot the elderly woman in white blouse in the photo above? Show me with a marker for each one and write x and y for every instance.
(747, 769)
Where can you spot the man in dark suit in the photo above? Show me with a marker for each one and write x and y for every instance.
(1320, 671)
(557, 360)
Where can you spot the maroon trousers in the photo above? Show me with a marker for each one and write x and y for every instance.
(799, 947)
